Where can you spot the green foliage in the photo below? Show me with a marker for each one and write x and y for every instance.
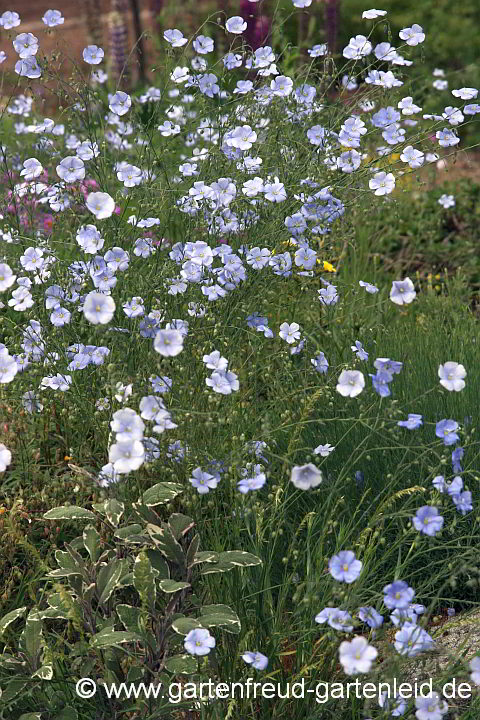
(117, 584)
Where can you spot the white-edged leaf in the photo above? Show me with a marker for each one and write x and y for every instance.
(238, 558)
(130, 617)
(110, 638)
(183, 625)
(180, 524)
(107, 579)
(114, 511)
(181, 665)
(171, 586)
(124, 532)
(208, 556)
(92, 542)
(10, 617)
(220, 616)
(45, 672)
(69, 512)
(161, 493)
(31, 640)
(99, 507)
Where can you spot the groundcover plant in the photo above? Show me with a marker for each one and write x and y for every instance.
(264, 444)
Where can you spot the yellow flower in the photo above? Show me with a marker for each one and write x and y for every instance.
(328, 267)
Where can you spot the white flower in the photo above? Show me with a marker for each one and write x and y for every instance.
(175, 38)
(465, 93)
(93, 55)
(306, 476)
(25, 45)
(120, 103)
(446, 201)
(281, 86)
(302, 3)
(52, 18)
(235, 25)
(180, 74)
(350, 383)
(357, 48)
(28, 67)
(70, 169)
(357, 655)
(430, 707)
(451, 376)
(123, 392)
(402, 292)
(372, 14)
(199, 642)
(290, 333)
(8, 366)
(127, 425)
(382, 183)
(126, 456)
(255, 659)
(9, 20)
(7, 278)
(412, 35)
(100, 204)
(475, 668)
(223, 382)
(98, 308)
(215, 361)
(415, 158)
(5, 457)
(324, 450)
(168, 343)
(32, 169)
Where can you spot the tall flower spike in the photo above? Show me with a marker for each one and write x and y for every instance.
(118, 43)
